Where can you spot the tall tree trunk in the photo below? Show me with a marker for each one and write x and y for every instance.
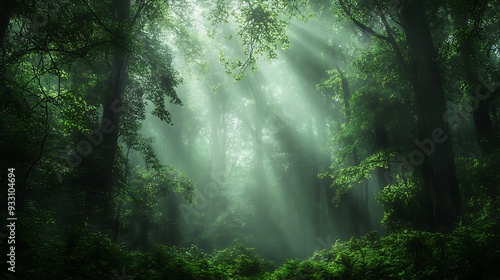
(173, 230)
(101, 193)
(440, 186)
(6, 11)
(468, 55)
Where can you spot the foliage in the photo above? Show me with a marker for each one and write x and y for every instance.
(481, 175)
(95, 256)
(470, 252)
(343, 179)
(400, 206)
(155, 183)
(241, 261)
(140, 199)
(261, 29)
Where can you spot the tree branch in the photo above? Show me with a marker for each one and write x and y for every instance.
(359, 24)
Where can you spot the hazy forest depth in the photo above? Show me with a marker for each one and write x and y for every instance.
(250, 139)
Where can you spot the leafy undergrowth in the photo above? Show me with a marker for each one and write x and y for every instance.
(469, 252)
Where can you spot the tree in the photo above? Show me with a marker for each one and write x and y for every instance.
(466, 22)
(130, 24)
(440, 186)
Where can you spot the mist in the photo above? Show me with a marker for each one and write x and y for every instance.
(250, 139)
(254, 147)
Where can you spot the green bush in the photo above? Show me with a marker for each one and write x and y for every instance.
(240, 262)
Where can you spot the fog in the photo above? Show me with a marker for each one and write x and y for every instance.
(254, 147)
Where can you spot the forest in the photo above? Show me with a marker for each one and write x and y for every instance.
(250, 139)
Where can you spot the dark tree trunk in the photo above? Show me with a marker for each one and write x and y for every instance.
(468, 55)
(440, 187)
(6, 11)
(173, 231)
(101, 192)
(484, 128)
